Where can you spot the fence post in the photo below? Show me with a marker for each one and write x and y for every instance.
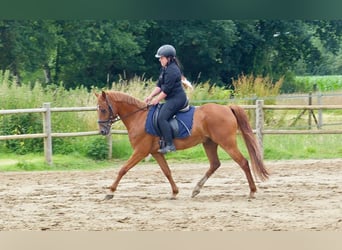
(320, 114)
(110, 145)
(310, 110)
(259, 124)
(47, 132)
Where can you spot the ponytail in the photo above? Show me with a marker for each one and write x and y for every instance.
(176, 61)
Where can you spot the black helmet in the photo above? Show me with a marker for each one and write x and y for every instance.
(166, 50)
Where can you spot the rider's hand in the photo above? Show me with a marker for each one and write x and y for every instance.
(148, 100)
(154, 102)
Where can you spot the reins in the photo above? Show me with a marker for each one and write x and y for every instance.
(115, 118)
(118, 118)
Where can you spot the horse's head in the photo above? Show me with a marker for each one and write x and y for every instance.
(106, 114)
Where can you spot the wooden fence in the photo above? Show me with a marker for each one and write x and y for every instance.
(259, 130)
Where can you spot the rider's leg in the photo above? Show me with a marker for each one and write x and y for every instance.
(166, 112)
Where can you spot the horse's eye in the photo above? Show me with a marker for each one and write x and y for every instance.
(103, 111)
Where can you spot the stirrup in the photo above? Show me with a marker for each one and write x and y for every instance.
(167, 149)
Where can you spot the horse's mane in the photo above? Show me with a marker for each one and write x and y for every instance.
(118, 96)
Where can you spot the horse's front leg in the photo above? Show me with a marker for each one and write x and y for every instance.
(135, 158)
(167, 172)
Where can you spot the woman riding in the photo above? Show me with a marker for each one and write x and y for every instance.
(168, 88)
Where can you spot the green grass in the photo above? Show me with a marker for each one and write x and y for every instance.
(36, 162)
(323, 83)
(279, 147)
(276, 147)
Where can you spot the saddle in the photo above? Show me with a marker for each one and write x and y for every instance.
(173, 121)
(181, 122)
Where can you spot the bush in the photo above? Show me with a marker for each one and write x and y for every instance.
(97, 148)
(22, 124)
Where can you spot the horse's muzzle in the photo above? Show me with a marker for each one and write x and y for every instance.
(104, 131)
(104, 126)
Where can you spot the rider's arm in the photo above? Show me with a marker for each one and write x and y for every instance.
(155, 92)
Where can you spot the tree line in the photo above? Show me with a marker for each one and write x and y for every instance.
(99, 52)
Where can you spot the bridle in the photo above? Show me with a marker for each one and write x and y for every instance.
(112, 118)
(115, 117)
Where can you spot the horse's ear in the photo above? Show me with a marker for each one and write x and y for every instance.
(103, 94)
(97, 95)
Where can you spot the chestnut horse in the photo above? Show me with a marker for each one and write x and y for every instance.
(213, 125)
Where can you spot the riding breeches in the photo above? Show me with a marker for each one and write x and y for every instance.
(167, 111)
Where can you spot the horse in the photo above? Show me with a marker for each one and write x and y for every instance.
(213, 125)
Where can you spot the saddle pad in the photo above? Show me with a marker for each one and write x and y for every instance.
(183, 118)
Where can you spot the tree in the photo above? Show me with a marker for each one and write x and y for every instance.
(27, 46)
(92, 51)
(275, 46)
(201, 45)
(98, 52)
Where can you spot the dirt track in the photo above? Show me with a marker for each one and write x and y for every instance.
(300, 195)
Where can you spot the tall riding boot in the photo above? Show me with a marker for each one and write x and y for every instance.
(170, 147)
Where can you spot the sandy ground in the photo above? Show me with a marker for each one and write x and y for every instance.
(300, 196)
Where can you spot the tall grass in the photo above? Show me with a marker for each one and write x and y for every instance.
(206, 92)
(256, 87)
(247, 88)
(34, 95)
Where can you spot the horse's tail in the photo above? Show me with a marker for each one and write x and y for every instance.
(251, 142)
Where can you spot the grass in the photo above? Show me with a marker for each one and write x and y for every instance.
(276, 147)
(280, 147)
(71, 153)
(36, 162)
(323, 83)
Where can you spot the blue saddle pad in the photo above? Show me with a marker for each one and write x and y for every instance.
(184, 120)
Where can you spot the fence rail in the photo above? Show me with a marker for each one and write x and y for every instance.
(259, 130)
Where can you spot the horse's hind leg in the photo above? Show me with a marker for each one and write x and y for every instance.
(211, 151)
(167, 172)
(230, 146)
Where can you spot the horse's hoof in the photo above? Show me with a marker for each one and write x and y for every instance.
(251, 195)
(194, 193)
(109, 197)
(173, 197)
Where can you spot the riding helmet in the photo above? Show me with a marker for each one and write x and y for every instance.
(166, 50)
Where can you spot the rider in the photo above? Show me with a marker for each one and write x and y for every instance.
(168, 88)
